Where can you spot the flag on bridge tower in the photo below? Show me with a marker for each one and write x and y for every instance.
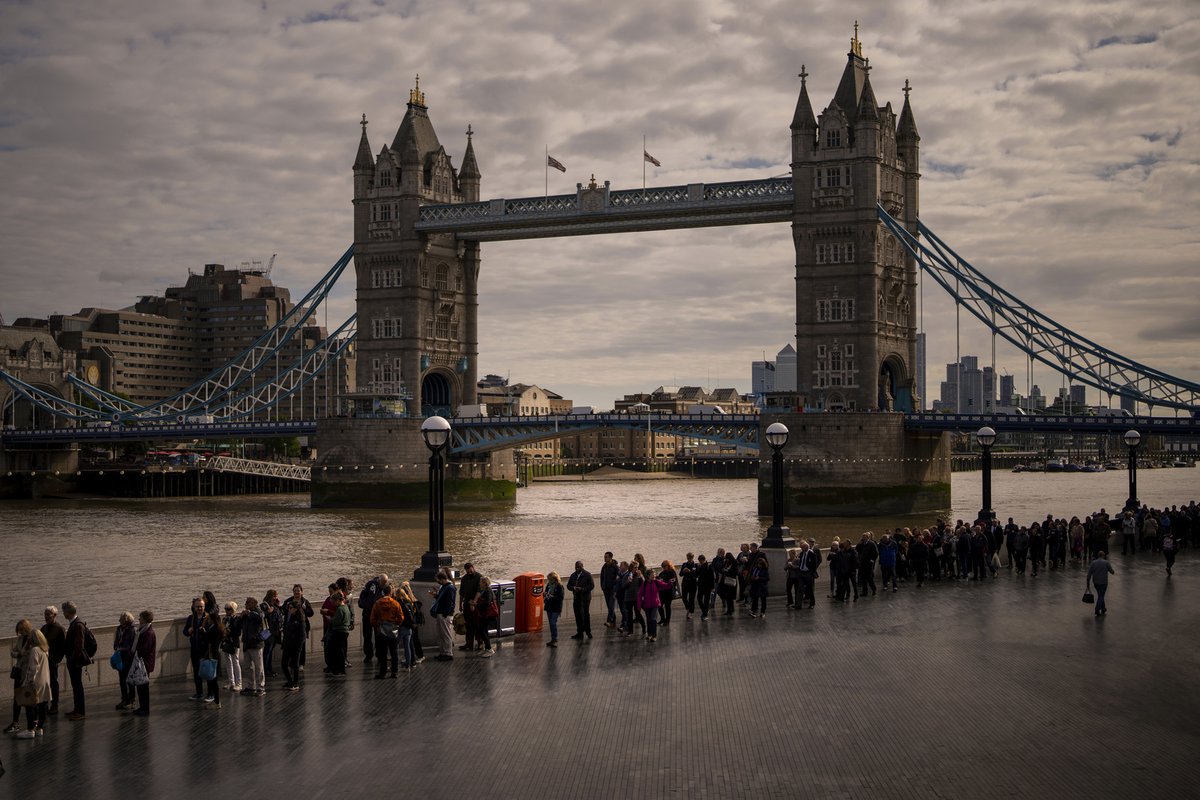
(651, 159)
(551, 161)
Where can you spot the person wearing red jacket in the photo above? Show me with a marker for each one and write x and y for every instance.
(387, 610)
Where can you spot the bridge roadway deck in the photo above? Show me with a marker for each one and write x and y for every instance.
(1010, 689)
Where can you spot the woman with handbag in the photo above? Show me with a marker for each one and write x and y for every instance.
(145, 649)
(122, 658)
(33, 693)
(212, 632)
(418, 621)
(650, 602)
(272, 612)
(408, 628)
(728, 582)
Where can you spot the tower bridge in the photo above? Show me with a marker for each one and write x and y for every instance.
(852, 201)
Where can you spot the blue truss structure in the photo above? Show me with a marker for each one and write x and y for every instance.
(1037, 335)
(481, 434)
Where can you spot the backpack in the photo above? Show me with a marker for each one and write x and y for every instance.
(1168, 542)
(90, 645)
(368, 595)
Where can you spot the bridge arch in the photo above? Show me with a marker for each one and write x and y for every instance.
(441, 392)
(894, 391)
(19, 413)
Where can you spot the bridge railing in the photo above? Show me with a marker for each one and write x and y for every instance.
(270, 469)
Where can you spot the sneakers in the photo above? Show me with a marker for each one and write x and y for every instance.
(26, 734)
(210, 699)
(421, 660)
(444, 657)
(237, 687)
(260, 692)
(491, 651)
(552, 643)
(196, 697)
(141, 712)
(75, 716)
(14, 728)
(753, 615)
(124, 706)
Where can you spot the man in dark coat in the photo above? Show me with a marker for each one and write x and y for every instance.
(581, 585)
(608, 584)
(468, 590)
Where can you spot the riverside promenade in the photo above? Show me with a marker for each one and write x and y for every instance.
(1007, 689)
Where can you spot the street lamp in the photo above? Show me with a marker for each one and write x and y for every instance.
(436, 433)
(986, 437)
(777, 535)
(1132, 439)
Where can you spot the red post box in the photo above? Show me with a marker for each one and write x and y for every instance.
(530, 589)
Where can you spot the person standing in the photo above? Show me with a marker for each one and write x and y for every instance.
(633, 590)
(56, 639)
(417, 621)
(553, 603)
(212, 632)
(486, 610)
(743, 562)
(687, 575)
(123, 639)
(730, 574)
(608, 585)
(387, 616)
(868, 554)
(1097, 575)
(1128, 533)
(649, 600)
(581, 585)
(272, 613)
(1021, 549)
(887, 563)
(296, 613)
(706, 582)
(1170, 548)
(192, 631)
(408, 628)
(442, 612)
(669, 576)
(337, 648)
(791, 568)
(758, 581)
(146, 648)
(77, 658)
(807, 562)
(371, 592)
(231, 646)
(33, 665)
(468, 593)
(253, 625)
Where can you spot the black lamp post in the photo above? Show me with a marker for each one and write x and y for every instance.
(778, 534)
(1132, 440)
(986, 437)
(436, 433)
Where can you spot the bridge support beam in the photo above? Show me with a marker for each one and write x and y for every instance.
(858, 465)
(383, 463)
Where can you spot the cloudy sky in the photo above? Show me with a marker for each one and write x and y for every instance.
(1059, 148)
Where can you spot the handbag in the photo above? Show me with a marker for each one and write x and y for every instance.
(1088, 597)
(389, 630)
(117, 660)
(26, 696)
(460, 624)
(137, 673)
(420, 615)
(208, 669)
(264, 634)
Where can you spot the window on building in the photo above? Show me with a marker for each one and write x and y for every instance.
(424, 277)
(833, 137)
(443, 326)
(385, 177)
(429, 328)
(458, 280)
(443, 277)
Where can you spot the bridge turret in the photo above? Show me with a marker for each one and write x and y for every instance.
(866, 123)
(908, 141)
(364, 169)
(804, 122)
(468, 176)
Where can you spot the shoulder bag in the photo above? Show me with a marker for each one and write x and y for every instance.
(208, 669)
(26, 696)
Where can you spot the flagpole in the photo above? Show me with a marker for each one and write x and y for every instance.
(643, 166)
(546, 168)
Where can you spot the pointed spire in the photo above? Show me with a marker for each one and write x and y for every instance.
(804, 119)
(906, 128)
(868, 109)
(363, 160)
(470, 168)
(415, 96)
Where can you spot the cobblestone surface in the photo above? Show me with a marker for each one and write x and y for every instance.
(1008, 689)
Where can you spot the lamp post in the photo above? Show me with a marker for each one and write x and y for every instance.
(778, 534)
(986, 437)
(1132, 440)
(436, 433)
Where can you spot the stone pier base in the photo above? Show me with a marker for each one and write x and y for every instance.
(857, 464)
(383, 463)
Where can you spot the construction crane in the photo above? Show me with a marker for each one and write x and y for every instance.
(256, 266)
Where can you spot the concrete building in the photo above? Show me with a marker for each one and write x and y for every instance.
(1008, 392)
(785, 370)
(855, 284)
(762, 377)
(162, 345)
(967, 388)
(1077, 397)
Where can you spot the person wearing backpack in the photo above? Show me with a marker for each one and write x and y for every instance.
(366, 600)
(387, 617)
(1170, 547)
(231, 646)
(77, 658)
(253, 627)
(272, 612)
(339, 635)
(296, 613)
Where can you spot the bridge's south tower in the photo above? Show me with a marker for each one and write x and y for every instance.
(417, 293)
(855, 285)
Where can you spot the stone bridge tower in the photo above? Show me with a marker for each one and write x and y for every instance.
(855, 284)
(417, 293)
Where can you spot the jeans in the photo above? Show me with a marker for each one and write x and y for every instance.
(583, 612)
(35, 716)
(793, 586)
(54, 683)
(199, 683)
(889, 574)
(255, 676)
(689, 596)
(651, 622)
(127, 692)
(758, 599)
(552, 620)
(704, 598)
(233, 667)
(626, 615)
(387, 648)
(1101, 588)
(268, 655)
(610, 603)
(406, 639)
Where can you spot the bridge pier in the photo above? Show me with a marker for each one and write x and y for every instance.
(383, 463)
(858, 464)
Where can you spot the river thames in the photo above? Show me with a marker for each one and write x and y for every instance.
(111, 555)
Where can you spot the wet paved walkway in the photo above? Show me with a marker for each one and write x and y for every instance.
(956, 690)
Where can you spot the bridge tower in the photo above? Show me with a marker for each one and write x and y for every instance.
(856, 287)
(417, 293)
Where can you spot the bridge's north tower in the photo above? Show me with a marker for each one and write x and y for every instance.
(855, 285)
(417, 292)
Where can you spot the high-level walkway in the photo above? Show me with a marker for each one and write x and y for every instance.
(1008, 689)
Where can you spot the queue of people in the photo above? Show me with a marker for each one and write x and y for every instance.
(235, 649)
